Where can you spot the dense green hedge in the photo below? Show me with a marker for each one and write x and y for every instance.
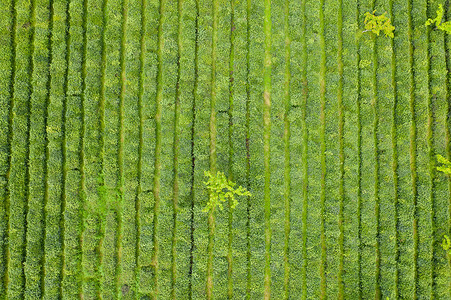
(439, 106)
(112, 36)
(201, 146)
(146, 199)
(18, 173)
(423, 212)
(71, 277)
(37, 156)
(333, 143)
(351, 151)
(6, 81)
(369, 166)
(256, 175)
(404, 145)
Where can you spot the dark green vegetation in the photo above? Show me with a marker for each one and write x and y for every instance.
(112, 110)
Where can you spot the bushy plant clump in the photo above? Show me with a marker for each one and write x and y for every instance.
(220, 190)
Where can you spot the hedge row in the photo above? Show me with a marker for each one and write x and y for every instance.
(239, 132)
(72, 272)
(201, 141)
(91, 152)
(112, 36)
(182, 134)
(6, 84)
(256, 39)
(315, 197)
(145, 280)
(423, 213)
(37, 155)
(404, 144)
(222, 113)
(387, 196)
(167, 100)
(369, 165)
(130, 142)
(351, 150)
(297, 146)
(439, 107)
(333, 185)
(18, 173)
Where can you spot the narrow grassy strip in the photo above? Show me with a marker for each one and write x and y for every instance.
(314, 120)
(91, 148)
(130, 147)
(238, 160)
(439, 110)
(369, 221)
(351, 152)
(220, 146)
(386, 189)
(167, 104)
(17, 177)
(287, 161)
(201, 150)
(294, 31)
(266, 145)
(187, 40)
(6, 91)
(403, 124)
(256, 158)
(110, 151)
(70, 15)
(150, 18)
(341, 154)
(274, 112)
(422, 166)
(332, 155)
(37, 155)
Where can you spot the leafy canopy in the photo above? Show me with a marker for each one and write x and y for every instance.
(376, 24)
(446, 26)
(446, 244)
(446, 167)
(222, 189)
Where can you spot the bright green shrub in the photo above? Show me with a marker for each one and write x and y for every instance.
(446, 244)
(446, 165)
(446, 26)
(376, 24)
(217, 184)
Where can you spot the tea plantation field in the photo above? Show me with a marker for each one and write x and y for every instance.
(111, 111)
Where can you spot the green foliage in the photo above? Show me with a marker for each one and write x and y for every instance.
(446, 26)
(222, 189)
(446, 167)
(446, 244)
(376, 24)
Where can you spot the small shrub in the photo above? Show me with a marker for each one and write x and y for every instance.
(446, 167)
(376, 24)
(446, 244)
(222, 189)
(446, 26)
